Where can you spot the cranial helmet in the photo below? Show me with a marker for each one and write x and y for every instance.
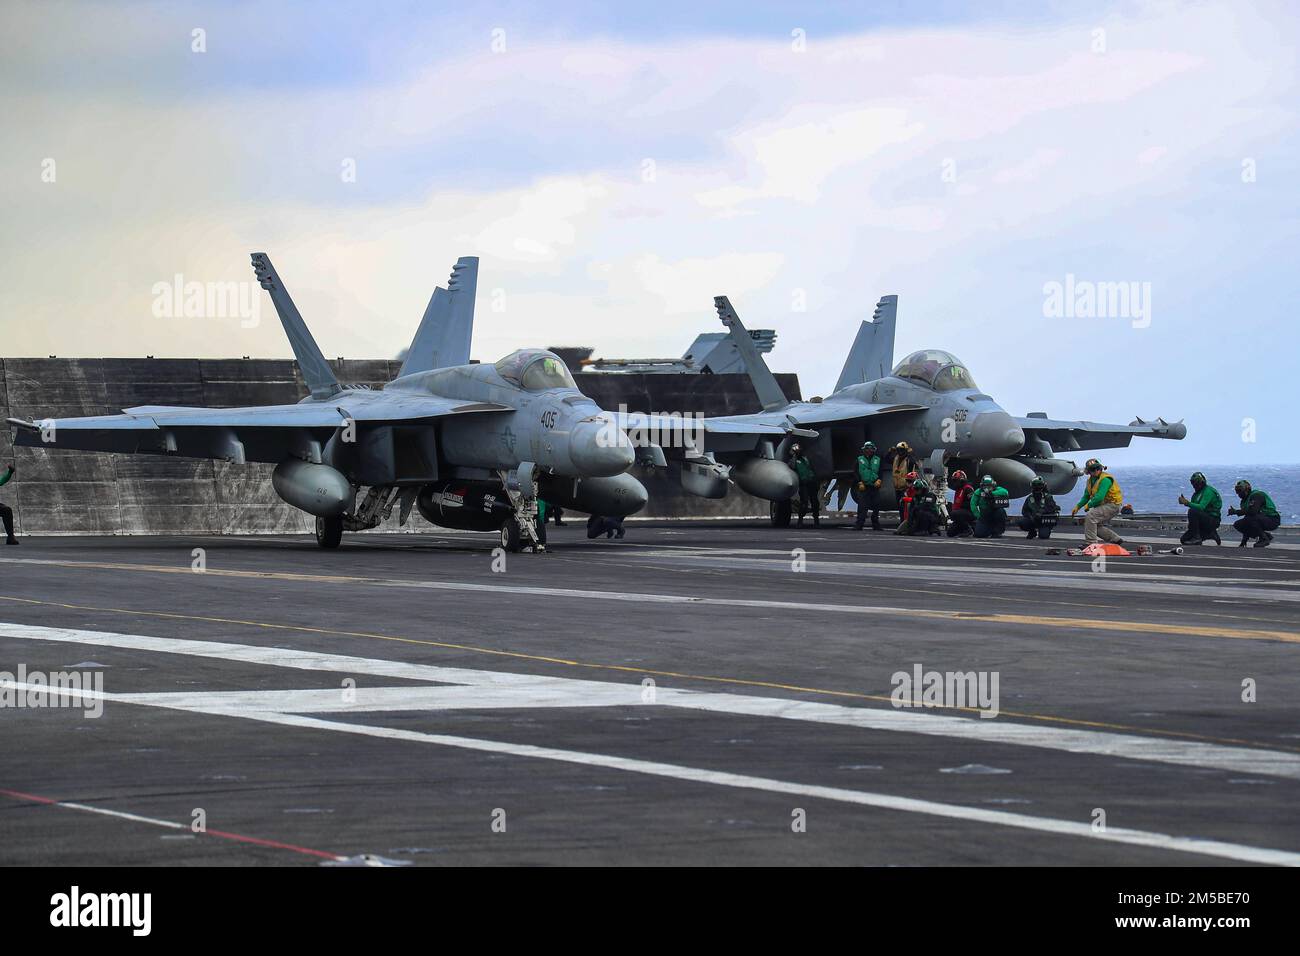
(959, 475)
(1242, 488)
(987, 480)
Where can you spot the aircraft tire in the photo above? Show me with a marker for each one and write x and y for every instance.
(329, 531)
(780, 512)
(511, 540)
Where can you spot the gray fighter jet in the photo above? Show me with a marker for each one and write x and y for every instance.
(471, 446)
(929, 399)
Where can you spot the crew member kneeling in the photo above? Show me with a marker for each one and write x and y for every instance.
(989, 505)
(924, 516)
(1039, 513)
(962, 519)
(1259, 515)
(1204, 512)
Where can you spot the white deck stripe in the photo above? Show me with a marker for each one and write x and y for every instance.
(1142, 838)
(496, 689)
(186, 701)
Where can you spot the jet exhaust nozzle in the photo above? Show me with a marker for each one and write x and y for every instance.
(316, 489)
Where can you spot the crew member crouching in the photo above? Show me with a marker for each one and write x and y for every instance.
(1204, 512)
(1039, 513)
(989, 505)
(1259, 515)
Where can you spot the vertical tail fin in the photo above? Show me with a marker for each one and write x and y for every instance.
(316, 372)
(765, 385)
(872, 355)
(444, 334)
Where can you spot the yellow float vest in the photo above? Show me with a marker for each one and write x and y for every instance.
(1113, 497)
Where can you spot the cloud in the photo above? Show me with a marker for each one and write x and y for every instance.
(613, 187)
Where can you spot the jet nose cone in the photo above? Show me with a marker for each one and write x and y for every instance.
(600, 449)
(995, 434)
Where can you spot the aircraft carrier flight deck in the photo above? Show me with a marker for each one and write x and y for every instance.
(700, 692)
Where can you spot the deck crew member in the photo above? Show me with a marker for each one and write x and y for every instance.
(989, 505)
(962, 524)
(1101, 501)
(809, 486)
(900, 461)
(924, 516)
(868, 486)
(1039, 512)
(1259, 515)
(7, 513)
(1204, 512)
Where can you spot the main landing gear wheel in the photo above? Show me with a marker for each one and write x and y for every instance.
(780, 512)
(329, 531)
(510, 536)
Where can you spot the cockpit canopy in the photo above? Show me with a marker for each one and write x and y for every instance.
(535, 370)
(939, 370)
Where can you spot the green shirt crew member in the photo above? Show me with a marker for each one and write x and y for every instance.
(868, 487)
(1259, 516)
(1204, 512)
(809, 486)
(989, 506)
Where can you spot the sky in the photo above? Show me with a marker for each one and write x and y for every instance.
(615, 166)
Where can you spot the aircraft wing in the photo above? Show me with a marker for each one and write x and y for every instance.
(834, 413)
(763, 423)
(268, 432)
(1085, 436)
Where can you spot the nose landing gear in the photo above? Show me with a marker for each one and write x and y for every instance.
(521, 528)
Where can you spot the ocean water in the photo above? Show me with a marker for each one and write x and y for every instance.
(1155, 488)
